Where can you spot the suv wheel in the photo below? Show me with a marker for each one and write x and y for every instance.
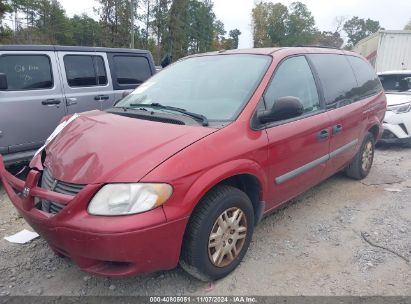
(362, 163)
(218, 234)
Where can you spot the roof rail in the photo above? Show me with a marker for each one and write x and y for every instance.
(317, 46)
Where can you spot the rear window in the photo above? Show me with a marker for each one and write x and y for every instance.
(27, 72)
(368, 82)
(337, 78)
(85, 70)
(131, 70)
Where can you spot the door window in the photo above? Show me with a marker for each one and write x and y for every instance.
(131, 70)
(85, 70)
(337, 78)
(294, 78)
(27, 72)
(368, 82)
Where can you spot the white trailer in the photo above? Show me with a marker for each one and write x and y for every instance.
(387, 50)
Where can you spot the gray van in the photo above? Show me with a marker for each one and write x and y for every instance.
(41, 84)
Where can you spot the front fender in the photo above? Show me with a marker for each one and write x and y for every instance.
(208, 179)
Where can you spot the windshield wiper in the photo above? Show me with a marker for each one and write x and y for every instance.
(156, 105)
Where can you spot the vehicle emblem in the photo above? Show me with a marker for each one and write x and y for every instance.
(26, 192)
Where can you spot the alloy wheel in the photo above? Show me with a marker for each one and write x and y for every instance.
(227, 237)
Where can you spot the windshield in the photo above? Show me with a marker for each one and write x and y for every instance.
(216, 87)
(398, 83)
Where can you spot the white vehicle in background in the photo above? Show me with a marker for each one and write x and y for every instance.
(397, 121)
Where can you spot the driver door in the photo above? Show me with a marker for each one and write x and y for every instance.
(298, 147)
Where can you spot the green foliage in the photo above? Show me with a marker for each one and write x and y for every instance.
(332, 39)
(177, 27)
(357, 29)
(277, 25)
(407, 27)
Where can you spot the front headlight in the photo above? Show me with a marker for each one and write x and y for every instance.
(122, 199)
(402, 108)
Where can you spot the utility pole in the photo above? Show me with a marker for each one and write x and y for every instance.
(132, 23)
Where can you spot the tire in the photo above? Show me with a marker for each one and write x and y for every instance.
(209, 260)
(361, 165)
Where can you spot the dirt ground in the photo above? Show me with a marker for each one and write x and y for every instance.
(313, 246)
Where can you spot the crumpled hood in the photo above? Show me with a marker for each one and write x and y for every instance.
(396, 99)
(99, 147)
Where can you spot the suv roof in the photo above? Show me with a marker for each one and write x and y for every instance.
(69, 49)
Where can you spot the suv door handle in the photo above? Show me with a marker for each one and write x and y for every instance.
(323, 134)
(337, 129)
(71, 101)
(49, 102)
(101, 97)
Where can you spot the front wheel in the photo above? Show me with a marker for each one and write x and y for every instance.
(361, 165)
(218, 234)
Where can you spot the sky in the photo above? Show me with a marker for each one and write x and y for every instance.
(392, 15)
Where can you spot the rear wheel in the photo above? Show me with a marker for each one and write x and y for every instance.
(361, 165)
(218, 234)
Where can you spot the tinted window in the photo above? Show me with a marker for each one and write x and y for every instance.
(337, 78)
(398, 83)
(27, 72)
(294, 78)
(368, 82)
(131, 69)
(85, 71)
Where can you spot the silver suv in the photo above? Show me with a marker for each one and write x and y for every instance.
(41, 84)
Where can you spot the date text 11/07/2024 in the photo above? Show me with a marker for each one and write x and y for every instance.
(204, 299)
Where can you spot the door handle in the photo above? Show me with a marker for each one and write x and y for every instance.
(337, 129)
(50, 102)
(71, 101)
(323, 134)
(101, 97)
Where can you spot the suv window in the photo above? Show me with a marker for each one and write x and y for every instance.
(131, 70)
(337, 78)
(85, 70)
(368, 82)
(27, 72)
(396, 83)
(294, 78)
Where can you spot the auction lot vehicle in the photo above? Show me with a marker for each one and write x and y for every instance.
(39, 85)
(387, 50)
(183, 168)
(397, 121)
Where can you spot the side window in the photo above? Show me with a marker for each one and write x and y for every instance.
(85, 70)
(294, 78)
(27, 72)
(368, 82)
(131, 70)
(337, 78)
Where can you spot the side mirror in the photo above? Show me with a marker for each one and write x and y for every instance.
(284, 108)
(3, 82)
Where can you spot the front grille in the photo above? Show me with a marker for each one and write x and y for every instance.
(50, 183)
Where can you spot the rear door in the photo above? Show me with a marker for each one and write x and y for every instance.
(33, 105)
(344, 107)
(86, 81)
(299, 147)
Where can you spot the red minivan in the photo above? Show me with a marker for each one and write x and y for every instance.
(183, 169)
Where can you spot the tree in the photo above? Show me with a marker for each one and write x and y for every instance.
(115, 22)
(332, 39)
(160, 26)
(408, 26)
(178, 28)
(357, 29)
(277, 25)
(234, 36)
(85, 31)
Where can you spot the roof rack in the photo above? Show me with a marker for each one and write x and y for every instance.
(317, 46)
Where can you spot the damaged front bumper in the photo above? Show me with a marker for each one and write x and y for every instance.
(102, 245)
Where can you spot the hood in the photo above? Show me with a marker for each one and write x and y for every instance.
(396, 99)
(99, 147)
